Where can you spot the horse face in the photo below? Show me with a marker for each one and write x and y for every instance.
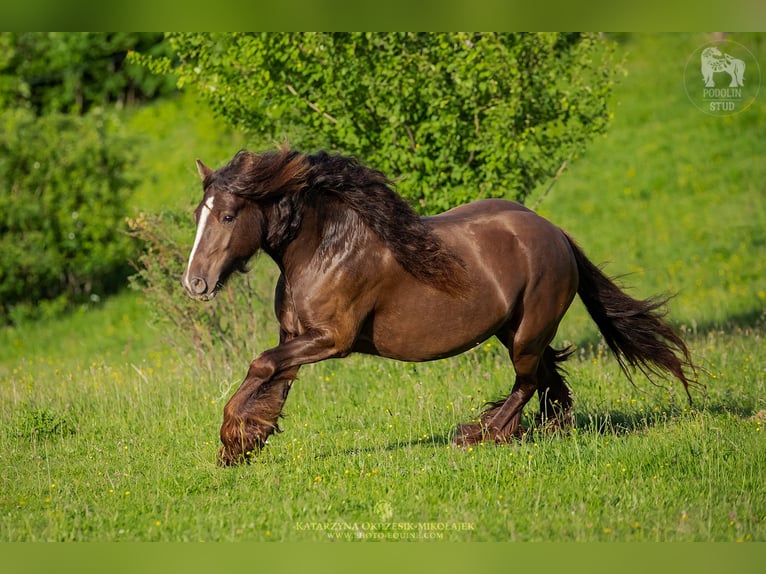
(228, 234)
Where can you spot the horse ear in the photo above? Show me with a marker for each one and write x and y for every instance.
(203, 170)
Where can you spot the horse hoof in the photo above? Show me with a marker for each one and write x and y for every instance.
(474, 433)
(227, 458)
(469, 434)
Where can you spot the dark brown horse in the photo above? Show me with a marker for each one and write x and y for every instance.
(361, 272)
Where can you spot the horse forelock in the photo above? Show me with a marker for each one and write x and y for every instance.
(261, 176)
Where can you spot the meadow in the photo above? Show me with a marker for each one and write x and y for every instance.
(108, 433)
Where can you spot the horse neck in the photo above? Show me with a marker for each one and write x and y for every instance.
(291, 234)
(327, 232)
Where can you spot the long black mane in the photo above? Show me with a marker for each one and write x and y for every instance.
(293, 180)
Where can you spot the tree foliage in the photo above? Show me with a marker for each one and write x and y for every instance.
(62, 210)
(71, 72)
(451, 116)
(65, 165)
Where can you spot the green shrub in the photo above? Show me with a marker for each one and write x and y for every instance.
(451, 117)
(235, 325)
(65, 182)
(35, 422)
(73, 72)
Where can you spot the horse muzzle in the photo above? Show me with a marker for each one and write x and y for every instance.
(197, 288)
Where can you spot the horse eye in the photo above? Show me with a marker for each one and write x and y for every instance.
(228, 218)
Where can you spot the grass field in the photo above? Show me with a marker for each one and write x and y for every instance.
(107, 433)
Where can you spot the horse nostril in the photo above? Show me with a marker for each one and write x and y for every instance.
(198, 286)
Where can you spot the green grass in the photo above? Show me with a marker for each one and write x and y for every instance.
(173, 134)
(671, 197)
(127, 453)
(107, 433)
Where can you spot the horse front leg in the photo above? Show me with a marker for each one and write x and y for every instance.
(251, 414)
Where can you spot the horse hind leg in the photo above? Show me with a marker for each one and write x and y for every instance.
(535, 364)
(501, 420)
(527, 337)
(555, 397)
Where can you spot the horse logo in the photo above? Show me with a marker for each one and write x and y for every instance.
(723, 63)
(713, 60)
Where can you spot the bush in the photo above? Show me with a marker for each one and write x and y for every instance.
(238, 323)
(65, 182)
(73, 72)
(452, 117)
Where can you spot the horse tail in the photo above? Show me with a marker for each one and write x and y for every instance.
(635, 330)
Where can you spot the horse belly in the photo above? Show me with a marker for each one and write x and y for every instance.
(424, 324)
(506, 248)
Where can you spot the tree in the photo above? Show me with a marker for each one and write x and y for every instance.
(450, 116)
(71, 72)
(65, 166)
(65, 182)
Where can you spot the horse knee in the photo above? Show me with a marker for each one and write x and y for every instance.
(261, 368)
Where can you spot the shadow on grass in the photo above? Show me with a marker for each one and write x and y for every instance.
(439, 440)
(615, 422)
(595, 422)
(753, 319)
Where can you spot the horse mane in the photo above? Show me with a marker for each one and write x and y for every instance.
(293, 179)
(261, 176)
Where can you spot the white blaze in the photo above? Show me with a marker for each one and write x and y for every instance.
(205, 213)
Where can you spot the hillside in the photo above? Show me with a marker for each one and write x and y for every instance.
(109, 423)
(670, 196)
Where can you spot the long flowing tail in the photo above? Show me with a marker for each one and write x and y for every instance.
(635, 330)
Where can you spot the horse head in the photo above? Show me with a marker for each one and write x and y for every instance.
(229, 231)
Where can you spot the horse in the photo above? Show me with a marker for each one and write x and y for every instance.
(362, 272)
